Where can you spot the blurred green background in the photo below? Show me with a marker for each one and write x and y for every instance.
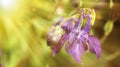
(24, 25)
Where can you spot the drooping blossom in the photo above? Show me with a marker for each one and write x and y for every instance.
(75, 35)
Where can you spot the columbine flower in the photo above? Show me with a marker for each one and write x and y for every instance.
(76, 35)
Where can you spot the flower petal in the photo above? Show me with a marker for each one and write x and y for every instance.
(62, 41)
(94, 46)
(88, 23)
(83, 36)
(72, 36)
(56, 47)
(68, 25)
(78, 22)
(76, 49)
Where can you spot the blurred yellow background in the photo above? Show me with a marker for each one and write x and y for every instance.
(25, 23)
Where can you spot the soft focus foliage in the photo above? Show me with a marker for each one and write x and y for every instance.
(108, 27)
(24, 25)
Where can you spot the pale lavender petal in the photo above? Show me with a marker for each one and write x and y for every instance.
(72, 37)
(76, 49)
(94, 46)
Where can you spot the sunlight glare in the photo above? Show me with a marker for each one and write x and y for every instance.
(8, 4)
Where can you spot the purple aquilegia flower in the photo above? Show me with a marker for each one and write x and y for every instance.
(75, 34)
